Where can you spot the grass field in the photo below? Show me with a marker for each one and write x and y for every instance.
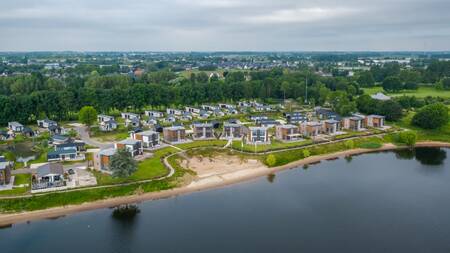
(441, 134)
(147, 169)
(420, 93)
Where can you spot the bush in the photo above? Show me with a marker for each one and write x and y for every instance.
(408, 137)
(349, 144)
(306, 153)
(271, 160)
(431, 116)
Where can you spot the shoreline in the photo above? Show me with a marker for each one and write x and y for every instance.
(12, 218)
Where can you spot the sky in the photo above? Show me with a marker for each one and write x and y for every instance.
(224, 25)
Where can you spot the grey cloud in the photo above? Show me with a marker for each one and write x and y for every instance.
(224, 25)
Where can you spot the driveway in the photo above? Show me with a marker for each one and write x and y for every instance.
(84, 135)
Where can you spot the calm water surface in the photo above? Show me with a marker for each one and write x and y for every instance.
(384, 202)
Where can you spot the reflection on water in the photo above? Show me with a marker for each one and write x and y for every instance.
(430, 156)
(271, 178)
(125, 212)
(349, 158)
(426, 156)
(404, 154)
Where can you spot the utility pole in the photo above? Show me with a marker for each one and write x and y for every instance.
(306, 90)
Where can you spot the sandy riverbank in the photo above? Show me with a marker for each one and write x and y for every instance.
(208, 181)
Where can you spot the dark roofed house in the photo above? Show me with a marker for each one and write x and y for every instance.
(323, 114)
(78, 145)
(3, 135)
(55, 129)
(62, 154)
(59, 139)
(28, 132)
(295, 117)
(46, 123)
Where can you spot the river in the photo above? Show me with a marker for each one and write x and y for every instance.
(381, 202)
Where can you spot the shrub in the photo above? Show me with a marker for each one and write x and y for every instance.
(431, 116)
(306, 153)
(349, 144)
(271, 160)
(408, 137)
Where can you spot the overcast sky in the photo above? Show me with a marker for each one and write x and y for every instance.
(224, 25)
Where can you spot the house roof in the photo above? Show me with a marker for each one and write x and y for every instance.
(62, 152)
(377, 116)
(15, 124)
(174, 128)
(257, 128)
(27, 130)
(71, 144)
(107, 152)
(60, 137)
(380, 96)
(128, 142)
(228, 124)
(4, 164)
(50, 168)
(331, 121)
(48, 121)
(203, 125)
(148, 133)
(288, 126)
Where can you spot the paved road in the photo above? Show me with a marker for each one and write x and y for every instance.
(84, 135)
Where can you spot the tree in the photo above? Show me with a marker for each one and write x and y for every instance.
(392, 110)
(87, 115)
(411, 86)
(366, 104)
(431, 116)
(366, 79)
(408, 137)
(392, 83)
(122, 164)
(444, 84)
(271, 160)
(341, 104)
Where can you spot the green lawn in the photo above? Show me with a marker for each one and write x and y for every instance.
(119, 134)
(22, 179)
(206, 143)
(289, 156)
(18, 180)
(147, 169)
(441, 134)
(422, 92)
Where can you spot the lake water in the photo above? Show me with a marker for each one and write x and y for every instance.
(383, 202)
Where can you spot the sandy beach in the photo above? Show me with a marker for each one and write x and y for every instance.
(216, 173)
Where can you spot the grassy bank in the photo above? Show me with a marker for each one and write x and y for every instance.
(285, 157)
(440, 134)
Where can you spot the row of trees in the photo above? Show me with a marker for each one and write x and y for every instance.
(26, 98)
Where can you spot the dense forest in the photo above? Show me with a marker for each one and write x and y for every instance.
(27, 97)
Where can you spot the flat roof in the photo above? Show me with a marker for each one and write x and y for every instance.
(107, 152)
(128, 142)
(149, 132)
